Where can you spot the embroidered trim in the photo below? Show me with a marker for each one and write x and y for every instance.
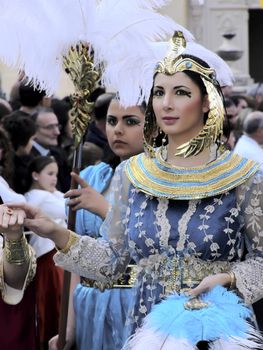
(183, 222)
(163, 222)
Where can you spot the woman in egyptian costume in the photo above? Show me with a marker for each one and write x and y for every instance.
(189, 213)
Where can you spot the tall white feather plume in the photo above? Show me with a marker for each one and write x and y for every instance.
(39, 33)
(35, 34)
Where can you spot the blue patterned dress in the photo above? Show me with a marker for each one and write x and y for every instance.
(178, 241)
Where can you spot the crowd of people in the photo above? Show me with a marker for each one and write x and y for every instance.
(131, 214)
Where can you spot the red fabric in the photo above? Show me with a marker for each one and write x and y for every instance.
(49, 279)
(18, 323)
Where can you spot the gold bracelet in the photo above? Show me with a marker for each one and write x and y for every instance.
(73, 237)
(232, 279)
(16, 251)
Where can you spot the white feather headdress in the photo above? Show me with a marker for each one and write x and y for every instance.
(133, 73)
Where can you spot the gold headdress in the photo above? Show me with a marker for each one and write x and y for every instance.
(174, 62)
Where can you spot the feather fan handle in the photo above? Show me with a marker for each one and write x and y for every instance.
(79, 65)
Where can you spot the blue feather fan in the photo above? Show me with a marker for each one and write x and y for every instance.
(225, 317)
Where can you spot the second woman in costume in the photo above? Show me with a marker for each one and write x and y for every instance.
(101, 311)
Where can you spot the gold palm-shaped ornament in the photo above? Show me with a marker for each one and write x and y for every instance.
(79, 65)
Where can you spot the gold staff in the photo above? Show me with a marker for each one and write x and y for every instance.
(79, 65)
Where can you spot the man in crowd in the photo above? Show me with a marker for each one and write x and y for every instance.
(46, 142)
(250, 144)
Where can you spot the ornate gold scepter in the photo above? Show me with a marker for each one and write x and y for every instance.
(79, 65)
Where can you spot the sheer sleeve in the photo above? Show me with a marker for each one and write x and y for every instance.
(106, 258)
(249, 273)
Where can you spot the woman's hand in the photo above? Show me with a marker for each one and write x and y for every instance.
(11, 221)
(87, 198)
(34, 219)
(210, 282)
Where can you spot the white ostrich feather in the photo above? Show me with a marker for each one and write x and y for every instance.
(35, 34)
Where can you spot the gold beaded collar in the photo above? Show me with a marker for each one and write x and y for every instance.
(157, 178)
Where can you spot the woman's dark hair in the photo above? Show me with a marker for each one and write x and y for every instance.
(6, 162)
(96, 93)
(37, 165)
(29, 95)
(20, 129)
(102, 104)
(143, 107)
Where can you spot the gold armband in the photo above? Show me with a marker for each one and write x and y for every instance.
(16, 251)
(232, 279)
(73, 237)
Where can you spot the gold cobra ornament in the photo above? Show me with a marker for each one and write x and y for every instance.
(79, 65)
(177, 46)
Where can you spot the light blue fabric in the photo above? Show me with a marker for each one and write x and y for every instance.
(100, 317)
(99, 177)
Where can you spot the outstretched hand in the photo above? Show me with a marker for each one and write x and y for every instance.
(41, 224)
(87, 198)
(33, 218)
